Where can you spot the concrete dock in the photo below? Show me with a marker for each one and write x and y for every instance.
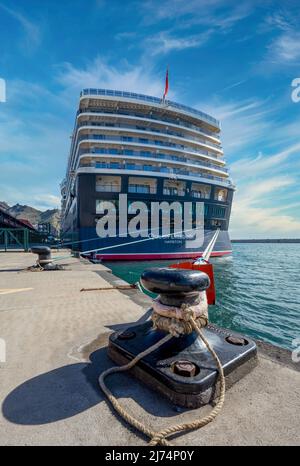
(56, 337)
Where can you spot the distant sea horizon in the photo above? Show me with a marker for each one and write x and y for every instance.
(265, 240)
(258, 289)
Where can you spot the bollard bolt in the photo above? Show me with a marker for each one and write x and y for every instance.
(126, 335)
(185, 368)
(236, 340)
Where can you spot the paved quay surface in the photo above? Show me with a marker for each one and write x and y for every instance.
(55, 349)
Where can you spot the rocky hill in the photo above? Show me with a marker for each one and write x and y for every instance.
(34, 216)
(3, 205)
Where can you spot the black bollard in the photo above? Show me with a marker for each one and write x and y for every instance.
(182, 369)
(174, 286)
(44, 256)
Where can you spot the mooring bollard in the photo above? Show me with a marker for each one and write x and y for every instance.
(175, 287)
(184, 367)
(177, 353)
(180, 293)
(44, 256)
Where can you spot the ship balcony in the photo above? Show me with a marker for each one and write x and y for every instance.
(141, 189)
(200, 191)
(174, 188)
(108, 184)
(144, 186)
(221, 195)
(115, 167)
(148, 104)
(152, 156)
(173, 192)
(132, 143)
(147, 120)
(108, 188)
(132, 134)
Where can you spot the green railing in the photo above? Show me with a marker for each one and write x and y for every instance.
(14, 238)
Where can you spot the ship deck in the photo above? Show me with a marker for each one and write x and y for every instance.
(56, 339)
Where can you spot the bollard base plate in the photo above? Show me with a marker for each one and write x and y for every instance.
(238, 355)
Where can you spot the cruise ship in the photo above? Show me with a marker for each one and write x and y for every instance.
(152, 150)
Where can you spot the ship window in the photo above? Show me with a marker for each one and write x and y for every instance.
(130, 166)
(148, 167)
(139, 188)
(108, 184)
(221, 194)
(218, 212)
(200, 191)
(114, 165)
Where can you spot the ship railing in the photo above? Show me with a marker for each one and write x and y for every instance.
(152, 155)
(166, 120)
(142, 189)
(152, 130)
(173, 172)
(128, 139)
(151, 99)
(174, 192)
(200, 195)
(108, 188)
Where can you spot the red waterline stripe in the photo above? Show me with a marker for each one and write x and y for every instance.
(158, 256)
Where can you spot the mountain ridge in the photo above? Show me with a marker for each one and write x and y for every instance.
(33, 215)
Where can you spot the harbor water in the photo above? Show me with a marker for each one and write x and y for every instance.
(258, 290)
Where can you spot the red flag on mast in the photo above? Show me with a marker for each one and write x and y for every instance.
(167, 84)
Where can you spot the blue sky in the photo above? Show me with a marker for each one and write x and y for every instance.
(235, 60)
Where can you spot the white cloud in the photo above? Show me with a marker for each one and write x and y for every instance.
(250, 167)
(242, 122)
(285, 49)
(164, 42)
(47, 201)
(33, 196)
(207, 16)
(33, 151)
(31, 30)
(265, 183)
(222, 14)
(99, 74)
(252, 218)
(259, 207)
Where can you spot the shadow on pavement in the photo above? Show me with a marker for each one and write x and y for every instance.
(72, 389)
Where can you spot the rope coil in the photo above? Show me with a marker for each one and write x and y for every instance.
(174, 327)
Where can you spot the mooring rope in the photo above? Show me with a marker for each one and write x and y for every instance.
(159, 438)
